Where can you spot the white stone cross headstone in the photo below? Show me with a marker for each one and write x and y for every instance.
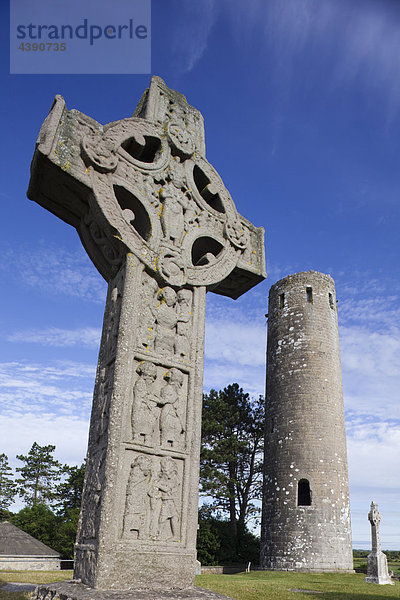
(377, 569)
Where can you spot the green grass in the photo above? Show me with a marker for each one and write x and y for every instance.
(360, 564)
(276, 585)
(257, 585)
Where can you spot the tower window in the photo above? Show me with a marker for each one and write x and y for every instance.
(281, 300)
(331, 304)
(303, 493)
(309, 294)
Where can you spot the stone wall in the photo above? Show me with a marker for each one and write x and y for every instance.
(306, 513)
(221, 569)
(29, 563)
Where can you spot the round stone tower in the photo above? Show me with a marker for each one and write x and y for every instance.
(306, 512)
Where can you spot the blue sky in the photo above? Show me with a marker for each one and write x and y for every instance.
(301, 100)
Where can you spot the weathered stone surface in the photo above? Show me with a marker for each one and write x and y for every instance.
(377, 569)
(18, 587)
(160, 226)
(77, 591)
(306, 512)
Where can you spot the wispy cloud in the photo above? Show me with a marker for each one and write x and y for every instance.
(356, 42)
(193, 23)
(370, 351)
(89, 337)
(54, 271)
(369, 328)
(237, 343)
(44, 389)
(67, 433)
(373, 451)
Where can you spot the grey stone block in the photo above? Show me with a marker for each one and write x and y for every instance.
(78, 591)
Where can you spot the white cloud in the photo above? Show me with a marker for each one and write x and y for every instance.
(370, 350)
(59, 389)
(47, 404)
(234, 350)
(218, 375)
(67, 433)
(55, 271)
(89, 336)
(373, 448)
(193, 23)
(373, 452)
(357, 43)
(237, 343)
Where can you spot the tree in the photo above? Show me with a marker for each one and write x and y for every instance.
(216, 543)
(56, 530)
(231, 455)
(7, 485)
(208, 542)
(40, 522)
(39, 475)
(69, 491)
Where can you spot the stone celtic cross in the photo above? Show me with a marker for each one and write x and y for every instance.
(374, 517)
(159, 225)
(377, 569)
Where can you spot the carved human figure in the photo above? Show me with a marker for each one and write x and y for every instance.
(184, 308)
(104, 397)
(137, 504)
(145, 412)
(149, 298)
(165, 501)
(150, 191)
(93, 489)
(172, 217)
(191, 215)
(166, 320)
(177, 174)
(171, 426)
(113, 320)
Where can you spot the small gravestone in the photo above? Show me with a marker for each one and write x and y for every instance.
(377, 569)
(162, 229)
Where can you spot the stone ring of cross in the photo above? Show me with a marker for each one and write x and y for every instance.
(151, 193)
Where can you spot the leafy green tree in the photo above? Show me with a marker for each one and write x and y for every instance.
(216, 543)
(69, 491)
(69, 497)
(67, 526)
(40, 522)
(7, 486)
(232, 454)
(208, 542)
(39, 475)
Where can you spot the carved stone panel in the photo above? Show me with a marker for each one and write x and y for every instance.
(111, 320)
(92, 496)
(153, 499)
(166, 319)
(158, 415)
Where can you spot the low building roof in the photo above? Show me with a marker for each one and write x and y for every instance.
(15, 542)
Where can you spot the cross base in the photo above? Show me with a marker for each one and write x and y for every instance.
(74, 590)
(377, 569)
